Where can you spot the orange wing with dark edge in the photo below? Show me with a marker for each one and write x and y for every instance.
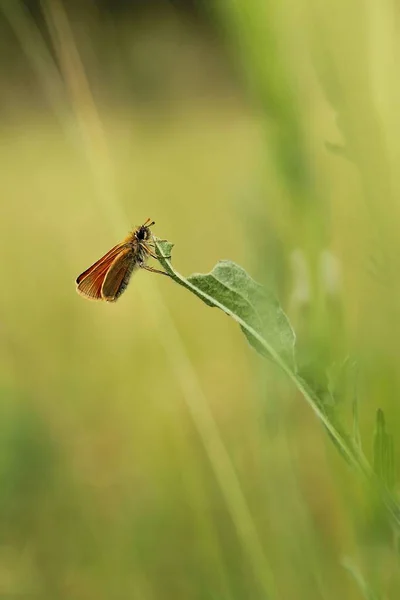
(89, 283)
(118, 276)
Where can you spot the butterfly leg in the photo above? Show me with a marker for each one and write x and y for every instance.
(153, 270)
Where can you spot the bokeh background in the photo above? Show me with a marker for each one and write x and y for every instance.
(146, 451)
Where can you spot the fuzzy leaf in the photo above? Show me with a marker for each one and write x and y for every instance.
(229, 288)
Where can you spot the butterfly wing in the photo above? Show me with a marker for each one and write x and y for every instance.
(107, 258)
(118, 275)
(89, 283)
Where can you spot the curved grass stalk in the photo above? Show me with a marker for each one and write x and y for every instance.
(352, 452)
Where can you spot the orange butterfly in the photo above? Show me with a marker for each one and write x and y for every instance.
(108, 278)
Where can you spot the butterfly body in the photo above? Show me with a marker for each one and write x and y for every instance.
(108, 278)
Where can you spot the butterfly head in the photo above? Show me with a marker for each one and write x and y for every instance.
(143, 232)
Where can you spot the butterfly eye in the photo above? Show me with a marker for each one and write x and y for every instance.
(143, 233)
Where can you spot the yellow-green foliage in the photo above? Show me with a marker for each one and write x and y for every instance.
(146, 451)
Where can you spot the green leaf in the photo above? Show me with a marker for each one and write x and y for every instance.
(229, 288)
(265, 325)
(383, 452)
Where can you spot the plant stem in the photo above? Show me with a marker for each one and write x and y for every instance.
(352, 452)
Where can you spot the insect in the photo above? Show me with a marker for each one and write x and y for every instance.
(108, 278)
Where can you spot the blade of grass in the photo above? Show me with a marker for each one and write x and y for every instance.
(38, 55)
(86, 113)
(84, 109)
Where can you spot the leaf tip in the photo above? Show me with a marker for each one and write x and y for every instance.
(163, 248)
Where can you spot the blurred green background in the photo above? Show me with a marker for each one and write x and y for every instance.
(146, 451)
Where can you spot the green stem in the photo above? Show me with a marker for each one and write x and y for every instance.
(354, 455)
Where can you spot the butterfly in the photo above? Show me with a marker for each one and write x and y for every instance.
(108, 278)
